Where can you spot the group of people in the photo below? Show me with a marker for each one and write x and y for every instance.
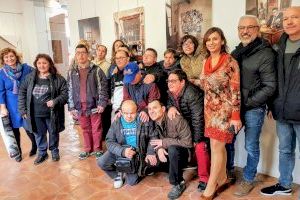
(177, 114)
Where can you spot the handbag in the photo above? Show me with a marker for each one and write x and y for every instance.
(127, 165)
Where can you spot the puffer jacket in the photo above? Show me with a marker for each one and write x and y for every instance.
(115, 141)
(59, 95)
(286, 101)
(192, 66)
(258, 77)
(191, 107)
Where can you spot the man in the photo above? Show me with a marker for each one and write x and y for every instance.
(121, 141)
(151, 69)
(187, 100)
(88, 98)
(258, 83)
(141, 93)
(174, 140)
(100, 59)
(286, 106)
(275, 20)
(169, 63)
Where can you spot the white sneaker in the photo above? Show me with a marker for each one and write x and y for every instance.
(118, 181)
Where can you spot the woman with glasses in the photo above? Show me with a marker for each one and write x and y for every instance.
(12, 73)
(220, 80)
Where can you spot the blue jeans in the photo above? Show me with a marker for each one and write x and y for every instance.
(287, 134)
(254, 120)
(43, 125)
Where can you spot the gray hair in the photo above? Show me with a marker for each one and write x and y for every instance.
(250, 17)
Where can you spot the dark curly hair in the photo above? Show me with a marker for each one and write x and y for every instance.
(52, 68)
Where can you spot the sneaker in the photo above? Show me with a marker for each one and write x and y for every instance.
(243, 189)
(40, 159)
(118, 181)
(276, 189)
(18, 158)
(83, 155)
(98, 154)
(201, 186)
(177, 190)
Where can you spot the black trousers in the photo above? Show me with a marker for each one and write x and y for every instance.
(16, 132)
(177, 160)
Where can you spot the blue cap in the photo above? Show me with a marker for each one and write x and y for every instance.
(130, 71)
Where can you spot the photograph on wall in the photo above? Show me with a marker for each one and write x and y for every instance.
(184, 17)
(269, 13)
(89, 30)
(57, 51)
(129, 27)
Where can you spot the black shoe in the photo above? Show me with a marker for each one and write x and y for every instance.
(40, 159)
(177, 190)
(201, 186)
(32, 152)
(276, 189)
(18, 158)
(55, 157)
(231, 176)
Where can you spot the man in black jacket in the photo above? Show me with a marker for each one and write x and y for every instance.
(187, 100)
(258, 83)
(286, 105)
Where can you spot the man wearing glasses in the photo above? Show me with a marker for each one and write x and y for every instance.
(88, 97)
(258, 83)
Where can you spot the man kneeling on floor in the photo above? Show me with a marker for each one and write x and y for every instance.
(128, 147)
(175, 139)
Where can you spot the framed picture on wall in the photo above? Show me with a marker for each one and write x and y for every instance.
(192, 17)
(89, 30)
(129, 27)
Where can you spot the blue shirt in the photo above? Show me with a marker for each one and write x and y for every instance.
(129, 130)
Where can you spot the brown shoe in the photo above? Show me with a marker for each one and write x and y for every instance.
(243, 189)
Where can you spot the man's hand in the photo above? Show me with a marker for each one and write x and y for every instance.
(151, 159)
(117, 116)
(50, 104)
(100, 109)
(144, 116)
(149, 78)
(162, 155)
(129, 153)
(237, 125)
(3, 111)
(172, 112)
(157, 143)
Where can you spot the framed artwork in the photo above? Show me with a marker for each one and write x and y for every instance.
(129, 27)
(183, 17)
(89, 30)
(57, 52)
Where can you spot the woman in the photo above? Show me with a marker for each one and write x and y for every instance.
(192, 59)
(11, 75)
(221, 83)
(42, 97)
(116, 45)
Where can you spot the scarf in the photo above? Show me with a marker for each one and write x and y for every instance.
(208, 68)
(14, 75)
(241, 50)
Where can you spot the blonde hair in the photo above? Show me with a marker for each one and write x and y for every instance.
(7, 50)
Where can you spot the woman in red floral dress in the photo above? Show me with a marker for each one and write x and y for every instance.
(220, 80)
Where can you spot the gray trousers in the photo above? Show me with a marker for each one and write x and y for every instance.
(107, 163)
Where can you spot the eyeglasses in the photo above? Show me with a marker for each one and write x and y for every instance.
(250, 28)
(172, 81)
(81, 53)
(120, 58)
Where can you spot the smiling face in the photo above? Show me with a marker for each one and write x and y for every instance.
(214, 43)
(10, 59)
(174, 84)
(43, 65)
(291, 22)
(156, 110)
(188, 47)
(248, 30)
(149, 58)
(121, 59)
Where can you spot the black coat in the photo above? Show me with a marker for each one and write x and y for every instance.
(59, 95)
(286, 101)
(258, 77)
(191, 107)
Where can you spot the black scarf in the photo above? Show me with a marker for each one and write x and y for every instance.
(241, 50)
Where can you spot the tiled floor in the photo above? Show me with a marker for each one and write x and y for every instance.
(72, 179)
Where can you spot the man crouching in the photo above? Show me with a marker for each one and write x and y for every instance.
(127, 144)
(175, 139)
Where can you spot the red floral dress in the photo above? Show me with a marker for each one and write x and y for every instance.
(221, 85)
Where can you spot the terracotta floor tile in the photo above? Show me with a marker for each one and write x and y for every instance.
(73, 179)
